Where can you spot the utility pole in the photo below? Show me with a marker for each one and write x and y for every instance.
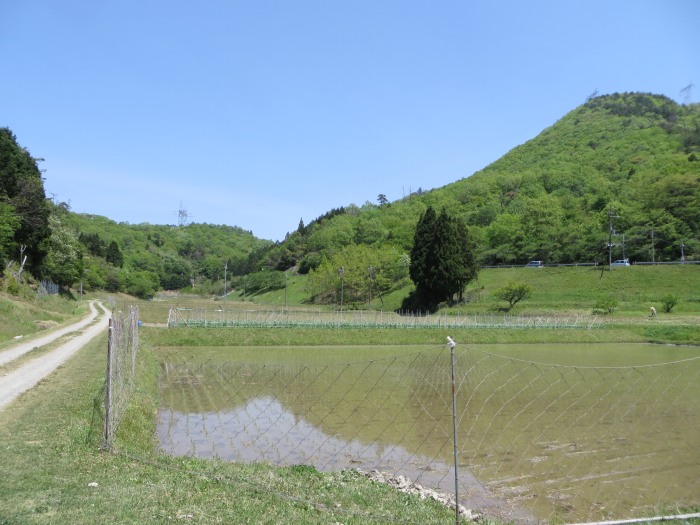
(371, 275)
(342, 286)
(652, 246)
(225, 270)
(611, 216)
(682, 252)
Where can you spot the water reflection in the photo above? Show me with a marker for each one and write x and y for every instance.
(262, 430)
(569, 443)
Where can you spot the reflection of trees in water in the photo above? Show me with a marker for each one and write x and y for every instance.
(398, 400)
(565, 440)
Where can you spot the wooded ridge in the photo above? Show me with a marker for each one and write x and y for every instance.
(618, 175)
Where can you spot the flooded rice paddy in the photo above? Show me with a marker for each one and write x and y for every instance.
(545, 432)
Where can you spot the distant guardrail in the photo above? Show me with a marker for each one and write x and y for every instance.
(668, 262)
(592, 264)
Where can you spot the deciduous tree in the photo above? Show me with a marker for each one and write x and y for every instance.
(22, 187)
(514, 292)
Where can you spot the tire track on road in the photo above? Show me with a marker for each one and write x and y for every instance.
(28, 375)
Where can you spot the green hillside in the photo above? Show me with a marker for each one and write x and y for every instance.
(157, 257)
(618, 176)
(633, 158)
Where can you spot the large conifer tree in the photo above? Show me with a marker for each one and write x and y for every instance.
(442, 260)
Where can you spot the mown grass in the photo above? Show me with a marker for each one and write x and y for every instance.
(51, 436)
(562, 289)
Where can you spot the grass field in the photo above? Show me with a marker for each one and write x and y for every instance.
(566, 289)
(50, 437)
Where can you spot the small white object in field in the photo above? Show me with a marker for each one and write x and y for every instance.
(451, 342)
(18, 337)
(93, 484)
(653, 311)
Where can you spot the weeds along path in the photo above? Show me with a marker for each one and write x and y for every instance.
(28, 375)
(19, 350)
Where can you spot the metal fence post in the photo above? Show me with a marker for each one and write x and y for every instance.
(108, 391)
(454, 429)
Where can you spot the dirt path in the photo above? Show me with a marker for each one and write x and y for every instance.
(28, 375)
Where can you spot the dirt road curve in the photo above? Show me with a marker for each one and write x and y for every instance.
(28, 375)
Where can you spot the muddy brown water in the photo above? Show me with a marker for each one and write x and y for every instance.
(545, 432)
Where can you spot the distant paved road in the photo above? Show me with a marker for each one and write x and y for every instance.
(28, 375)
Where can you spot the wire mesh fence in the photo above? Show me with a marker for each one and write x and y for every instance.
(202, 317)
(535, 441)
(122, 347)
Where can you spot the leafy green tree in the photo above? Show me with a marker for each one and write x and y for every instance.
(514, 292)
(22, 187)
(113, 280)
(94, 274)
(264, 281)
(370, 231)
(9, 223)
(176, 273)
(142, 284)
(63, 263)
(356, 284)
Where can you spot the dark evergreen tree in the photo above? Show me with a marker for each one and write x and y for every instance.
(114, 255)
(442, 260)
(93, 243)
(419, 269)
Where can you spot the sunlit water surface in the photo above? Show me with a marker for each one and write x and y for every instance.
(545, 432)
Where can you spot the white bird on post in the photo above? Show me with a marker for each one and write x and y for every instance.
(451, 342)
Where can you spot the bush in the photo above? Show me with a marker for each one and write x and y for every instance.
(12, 286)
(669, 301)
(605, 306)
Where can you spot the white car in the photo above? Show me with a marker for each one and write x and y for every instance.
(621, 262)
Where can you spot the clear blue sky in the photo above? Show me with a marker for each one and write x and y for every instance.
(259, 113)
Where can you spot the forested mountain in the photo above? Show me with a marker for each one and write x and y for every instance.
(144, 258)
(630, 161)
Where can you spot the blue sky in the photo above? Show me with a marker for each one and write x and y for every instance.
(260, 113)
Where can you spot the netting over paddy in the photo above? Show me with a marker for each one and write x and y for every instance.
(200, 317)
(535, 441)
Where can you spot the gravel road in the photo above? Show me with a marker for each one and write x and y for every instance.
(28, 375)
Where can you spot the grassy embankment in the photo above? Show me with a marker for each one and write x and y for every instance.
(50, 438)
(26, 316)
(566, 291)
